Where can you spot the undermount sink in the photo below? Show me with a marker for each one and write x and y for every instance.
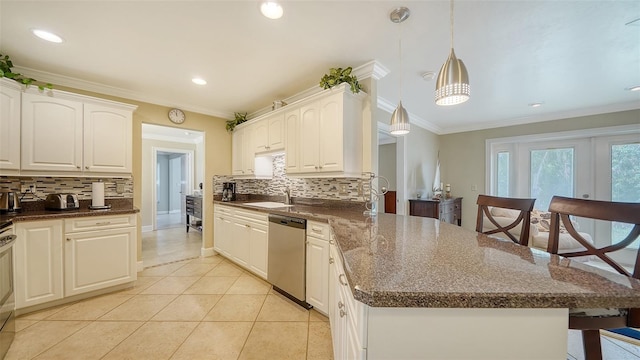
(268, 204)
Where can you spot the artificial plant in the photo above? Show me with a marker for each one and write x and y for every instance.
(337, 76)
(5, 71)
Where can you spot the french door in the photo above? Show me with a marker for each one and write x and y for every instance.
(592, 166)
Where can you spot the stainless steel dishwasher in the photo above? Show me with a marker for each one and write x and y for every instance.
(287, 257)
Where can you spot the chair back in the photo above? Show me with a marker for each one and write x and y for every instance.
(562, 208)
(486, 202)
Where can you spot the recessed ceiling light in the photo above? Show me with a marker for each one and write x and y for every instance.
(271, 9)
(535, 105)
(634, 88)
(199, 81)
(45, 35)
(187, 133)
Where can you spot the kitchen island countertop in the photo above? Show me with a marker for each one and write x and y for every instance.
(407, 261)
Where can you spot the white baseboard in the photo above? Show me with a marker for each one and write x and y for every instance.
(162, 212)
(178, 211)
(139, 266)
(204, 252)
(147, 228)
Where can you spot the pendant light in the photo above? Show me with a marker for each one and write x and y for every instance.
(400, 119)
(452, 86)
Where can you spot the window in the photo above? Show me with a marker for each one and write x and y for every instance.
(502, 167)
(597, 164)
(551, 173)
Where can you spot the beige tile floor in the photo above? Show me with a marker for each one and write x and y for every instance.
(168, 245)
(206, 308)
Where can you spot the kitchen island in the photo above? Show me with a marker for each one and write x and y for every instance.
(417, 288)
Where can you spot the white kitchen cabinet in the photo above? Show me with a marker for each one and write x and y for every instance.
(51, 133)
(242, 236)
(269, 134)
(99, 252)
(243, 151)
(330, 135)
(69, 133)
(292, 130)
(259, 249)
(317, 286)
(107, 139)
(347, 316)
(9, 127)
(61, 258)
(222, 229)
(38, 256)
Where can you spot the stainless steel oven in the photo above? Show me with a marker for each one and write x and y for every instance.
(7, 300)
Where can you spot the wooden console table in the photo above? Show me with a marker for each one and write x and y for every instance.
(447, 210)
(194, 208)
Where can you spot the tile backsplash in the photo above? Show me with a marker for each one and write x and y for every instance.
(317, 188)
(75, 185)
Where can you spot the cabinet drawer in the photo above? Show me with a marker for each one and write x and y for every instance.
(222, 209)
(256, 217)
(98, 222)
(318, 230)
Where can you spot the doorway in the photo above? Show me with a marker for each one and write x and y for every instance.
(387, 168)
(172, 168)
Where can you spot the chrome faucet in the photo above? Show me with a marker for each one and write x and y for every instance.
(287, 196)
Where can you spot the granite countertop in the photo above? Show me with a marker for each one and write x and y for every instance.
(407, 261)
(34, 210)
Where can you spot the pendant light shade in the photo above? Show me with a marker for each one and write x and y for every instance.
(400, 118)
(452, 86)
(400, 121)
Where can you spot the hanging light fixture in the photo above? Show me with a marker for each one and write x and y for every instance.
(452, 86)
(400, 119)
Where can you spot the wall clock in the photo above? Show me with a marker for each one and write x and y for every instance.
(176, 116)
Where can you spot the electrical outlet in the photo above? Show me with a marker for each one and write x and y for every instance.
(343, 189)
(474, 187)
(119, 188)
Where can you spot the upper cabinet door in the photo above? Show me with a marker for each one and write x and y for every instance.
(9, 127)
(276, 132)
(237, 155)
(107, 139)
(309, 137)
(292, 122)
(261, 136)
(51, 133)
(331, 134)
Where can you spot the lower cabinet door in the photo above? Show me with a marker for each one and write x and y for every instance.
(318, 274)
(223, 228)
(239, 249)
(259, 250)
(99, 259)
(38, 262)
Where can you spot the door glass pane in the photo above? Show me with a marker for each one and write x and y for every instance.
(502, 183)
(552, 172)
(625, 183)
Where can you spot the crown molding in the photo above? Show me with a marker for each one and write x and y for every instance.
(113, 91)
(387, 106)
(169, 138)
(597, 110)
(373, 69)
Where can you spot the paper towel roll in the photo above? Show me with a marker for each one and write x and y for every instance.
(97, 194)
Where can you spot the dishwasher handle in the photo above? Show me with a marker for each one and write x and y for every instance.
(288, 221)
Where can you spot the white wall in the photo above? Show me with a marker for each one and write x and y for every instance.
(421, 154)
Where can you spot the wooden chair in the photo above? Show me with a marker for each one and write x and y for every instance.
(590, 323)
(524, 218)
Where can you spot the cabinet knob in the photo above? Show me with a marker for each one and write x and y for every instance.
(320, 167)
(343, 282)
(247, 225)
(331, 261)
(343, 313)
(77, 167)
(86, 167)
(68, 239)
(316, 168)
(340, 305)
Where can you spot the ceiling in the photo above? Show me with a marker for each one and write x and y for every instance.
(575, 57)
